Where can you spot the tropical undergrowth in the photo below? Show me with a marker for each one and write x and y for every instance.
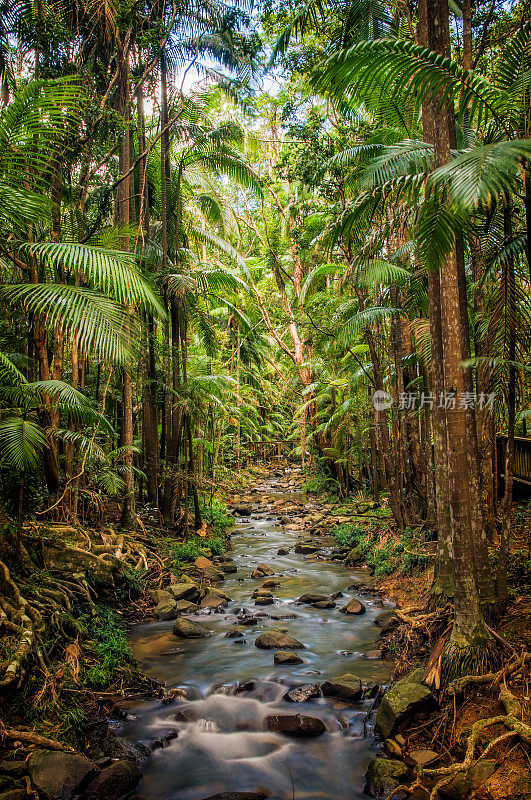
(182, 553)
(384, 552)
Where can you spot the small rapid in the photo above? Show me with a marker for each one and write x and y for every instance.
(217, 736)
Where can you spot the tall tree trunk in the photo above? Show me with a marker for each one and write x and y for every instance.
(442, 587)
(122, 219)
(506, 502)
(149, 398)
(469, 644)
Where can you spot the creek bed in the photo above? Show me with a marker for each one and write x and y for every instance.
(223, 744)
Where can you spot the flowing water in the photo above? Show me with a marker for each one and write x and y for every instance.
(222, 743)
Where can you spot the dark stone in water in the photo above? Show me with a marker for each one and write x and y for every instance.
(243, 511)
(312, 598)
(285, 657)
(353, 607)
(296, 724)
(324, 604)
(282, 551)
(184, 715)
(246, 686)
(237, 796)
(300, 694)
(115, 781)
(234, 633)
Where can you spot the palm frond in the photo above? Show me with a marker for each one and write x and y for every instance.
(21, 443)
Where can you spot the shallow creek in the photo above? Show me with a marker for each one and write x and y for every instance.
(225, 747)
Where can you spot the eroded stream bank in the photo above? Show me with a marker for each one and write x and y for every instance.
(221, 734)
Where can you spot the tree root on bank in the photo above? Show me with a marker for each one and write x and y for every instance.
(512, 720)
(457, 685)
(18, 619)
(30, 737)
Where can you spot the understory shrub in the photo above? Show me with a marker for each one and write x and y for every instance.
(110, 644)
(385, 554)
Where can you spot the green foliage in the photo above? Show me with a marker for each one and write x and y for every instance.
(320, 484)
(519, 573)
(217, 518)
(384, 555)
(111, 648)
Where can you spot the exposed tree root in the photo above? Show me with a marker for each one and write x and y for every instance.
(512, 720)
(29, 737)
(457, 685)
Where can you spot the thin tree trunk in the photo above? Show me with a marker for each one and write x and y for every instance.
(122, 219)
(506, 502)
(149, 399)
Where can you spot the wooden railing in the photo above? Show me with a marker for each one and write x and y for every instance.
(267, 451)
(522, 459)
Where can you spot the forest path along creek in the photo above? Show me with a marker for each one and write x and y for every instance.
(268, 703)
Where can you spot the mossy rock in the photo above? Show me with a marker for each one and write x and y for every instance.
(277, 640)
(353, 557)
(401, 703)
(184, 590)
(465, 783)
(166, 609)
(346, 687)
(383, 776)
(188, 629)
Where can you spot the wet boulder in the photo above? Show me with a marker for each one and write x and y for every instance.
(262, 571)
(184, 591)
(282, 551)
(58, 775)
(234, 632)
(213, 602)
(166, 608)
(264, 600)
(115, 781)
(185, 607)
(383, 776)
(159, 594)
(346, 687)
(277, 640)
(271, 583)
(373, 655)
(243, 510)
(228, 567)
(309, 599)
(402, 702)
(386, 619)
(189, 629)
(353, 607)
(300, 694)
(295, 724)
(285, 657)
(305, 549)
(324, 604)
(206, 568)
